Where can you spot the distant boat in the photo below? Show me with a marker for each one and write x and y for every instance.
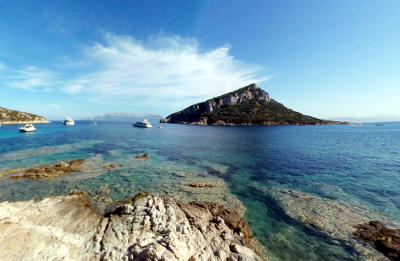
(378, 124)
(28, 128)
(93, 123)
(69, 121)
(142, 124)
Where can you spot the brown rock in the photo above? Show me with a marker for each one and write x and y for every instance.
(76, 165)
(77, 192)
(62, 164)
(109, 166)
(385, 240)
(11, 171)
(200, 185)
(142, 156)
(49, 171)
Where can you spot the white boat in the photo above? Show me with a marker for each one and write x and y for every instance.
(142, 124)
(69, 121)
(28, 128)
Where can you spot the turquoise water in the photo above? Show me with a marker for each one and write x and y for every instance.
(357, 164)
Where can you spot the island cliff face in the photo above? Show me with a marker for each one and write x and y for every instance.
(17, 117)
(249, 105)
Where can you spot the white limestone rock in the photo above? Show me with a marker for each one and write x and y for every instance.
(146, 228)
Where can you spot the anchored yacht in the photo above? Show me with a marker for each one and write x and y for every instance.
(142, 124)
(69, 121)
(27, 128)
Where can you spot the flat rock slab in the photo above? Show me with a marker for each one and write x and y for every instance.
(57, 228)
(333, 218)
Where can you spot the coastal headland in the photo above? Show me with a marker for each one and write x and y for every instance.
(8, 117)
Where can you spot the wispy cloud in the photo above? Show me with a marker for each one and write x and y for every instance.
(166, 69)
(28, 78)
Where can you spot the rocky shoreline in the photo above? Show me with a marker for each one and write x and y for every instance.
(23, 122)
(193, 208)
(221, 123)
(145, 227)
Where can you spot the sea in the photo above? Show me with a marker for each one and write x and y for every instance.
(344, 163)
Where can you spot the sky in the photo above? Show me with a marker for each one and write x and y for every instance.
(333, 58)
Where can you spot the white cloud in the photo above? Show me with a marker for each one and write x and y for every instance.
(27, 78)
(165, 71)
(168, 69)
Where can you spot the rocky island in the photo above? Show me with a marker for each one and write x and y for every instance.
(17, 117)
(249, 105)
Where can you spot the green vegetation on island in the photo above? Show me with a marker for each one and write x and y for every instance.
(249, 105)
(259, 113)
(17, 117)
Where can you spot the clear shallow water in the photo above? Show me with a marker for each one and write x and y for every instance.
(358, 164)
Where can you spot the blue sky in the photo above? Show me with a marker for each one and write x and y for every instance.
(86, 58)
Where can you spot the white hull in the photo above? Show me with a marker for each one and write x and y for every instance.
(142, 125)
(27, 128)
(23, 130)
(69, 121)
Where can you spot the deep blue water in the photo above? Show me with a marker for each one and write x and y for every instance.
(357, 164)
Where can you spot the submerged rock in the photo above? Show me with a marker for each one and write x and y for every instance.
(219, 192)
(49, 171)
(11, 171)
(142, 156)
(377, 235)
(147, 227)
(333, 218)
(201, 185)
(110, 165)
